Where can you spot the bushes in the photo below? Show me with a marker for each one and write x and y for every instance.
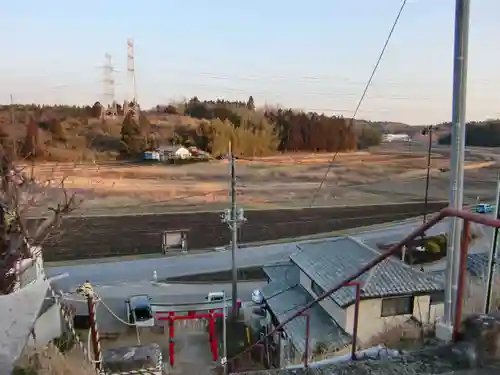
(432, 247)
(441, 241)
(436, 244)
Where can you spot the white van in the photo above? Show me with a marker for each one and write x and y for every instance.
(215, 297)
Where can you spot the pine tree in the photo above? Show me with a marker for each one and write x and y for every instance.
(251, 104)
(31, 148)
(132, 139)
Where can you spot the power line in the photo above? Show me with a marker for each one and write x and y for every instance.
(299, 79)
(363, 95)
(303, 306)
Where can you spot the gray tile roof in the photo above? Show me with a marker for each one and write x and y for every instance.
(439, 275)
(329, 262)
(276, 287)
(477, 265)
(285, 302)
(283, 271)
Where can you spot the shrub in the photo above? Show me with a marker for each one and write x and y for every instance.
(432, 247)
(441, 240)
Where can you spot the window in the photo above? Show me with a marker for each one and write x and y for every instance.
(436, 298)
(316, 288)
(397, 306)
(81, 322)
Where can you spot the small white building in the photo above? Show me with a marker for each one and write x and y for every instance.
(174, 152)
(167, 153)
(396, 138)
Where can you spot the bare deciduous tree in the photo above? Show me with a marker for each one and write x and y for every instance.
(19, 238)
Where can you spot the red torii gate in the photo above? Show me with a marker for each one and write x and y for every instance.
(192, 315)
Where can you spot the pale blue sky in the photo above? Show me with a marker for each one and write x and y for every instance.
(315, 54)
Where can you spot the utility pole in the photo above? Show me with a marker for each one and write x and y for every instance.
(428, 131)
(224, 335)
(493, 255)
(12, 113)
(462, 14)
(234, 218)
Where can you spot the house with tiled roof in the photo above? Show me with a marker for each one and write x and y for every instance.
(391, 294)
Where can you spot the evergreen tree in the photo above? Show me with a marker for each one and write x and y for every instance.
(251, 104)
(132, 140)
(31, 147)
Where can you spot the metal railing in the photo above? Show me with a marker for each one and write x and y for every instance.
(467, 216)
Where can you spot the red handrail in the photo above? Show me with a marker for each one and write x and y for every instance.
(467, 216)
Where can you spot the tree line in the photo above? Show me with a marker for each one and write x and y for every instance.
(259, 132)
(251, 132)
(482, 134)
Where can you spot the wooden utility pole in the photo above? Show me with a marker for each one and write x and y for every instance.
(12, 113)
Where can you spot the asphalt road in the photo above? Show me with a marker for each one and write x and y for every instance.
(107, 236)
(192, 296)
(164, 298)
(137, 271)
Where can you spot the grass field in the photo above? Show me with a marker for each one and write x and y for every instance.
(288, 180)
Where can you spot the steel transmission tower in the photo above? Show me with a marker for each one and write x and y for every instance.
(109, 104)
(131, 104)
(131, 69)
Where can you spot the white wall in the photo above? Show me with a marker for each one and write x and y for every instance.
(106, 322)
(48, 326)
(436, 312)
(335, 311)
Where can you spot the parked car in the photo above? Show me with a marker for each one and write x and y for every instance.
(139, 311)
(482, 208)
(257, 297)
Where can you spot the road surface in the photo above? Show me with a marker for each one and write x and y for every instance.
(164, 298)
(135, 271)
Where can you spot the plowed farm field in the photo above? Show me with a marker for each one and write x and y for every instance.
(109, 236)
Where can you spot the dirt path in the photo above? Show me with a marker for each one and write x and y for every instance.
(192, 351)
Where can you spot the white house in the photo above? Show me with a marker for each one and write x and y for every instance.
(391, 294)
(395, 138)
(174, 152)
(167, 153)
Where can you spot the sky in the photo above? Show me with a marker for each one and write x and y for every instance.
(312, 55)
